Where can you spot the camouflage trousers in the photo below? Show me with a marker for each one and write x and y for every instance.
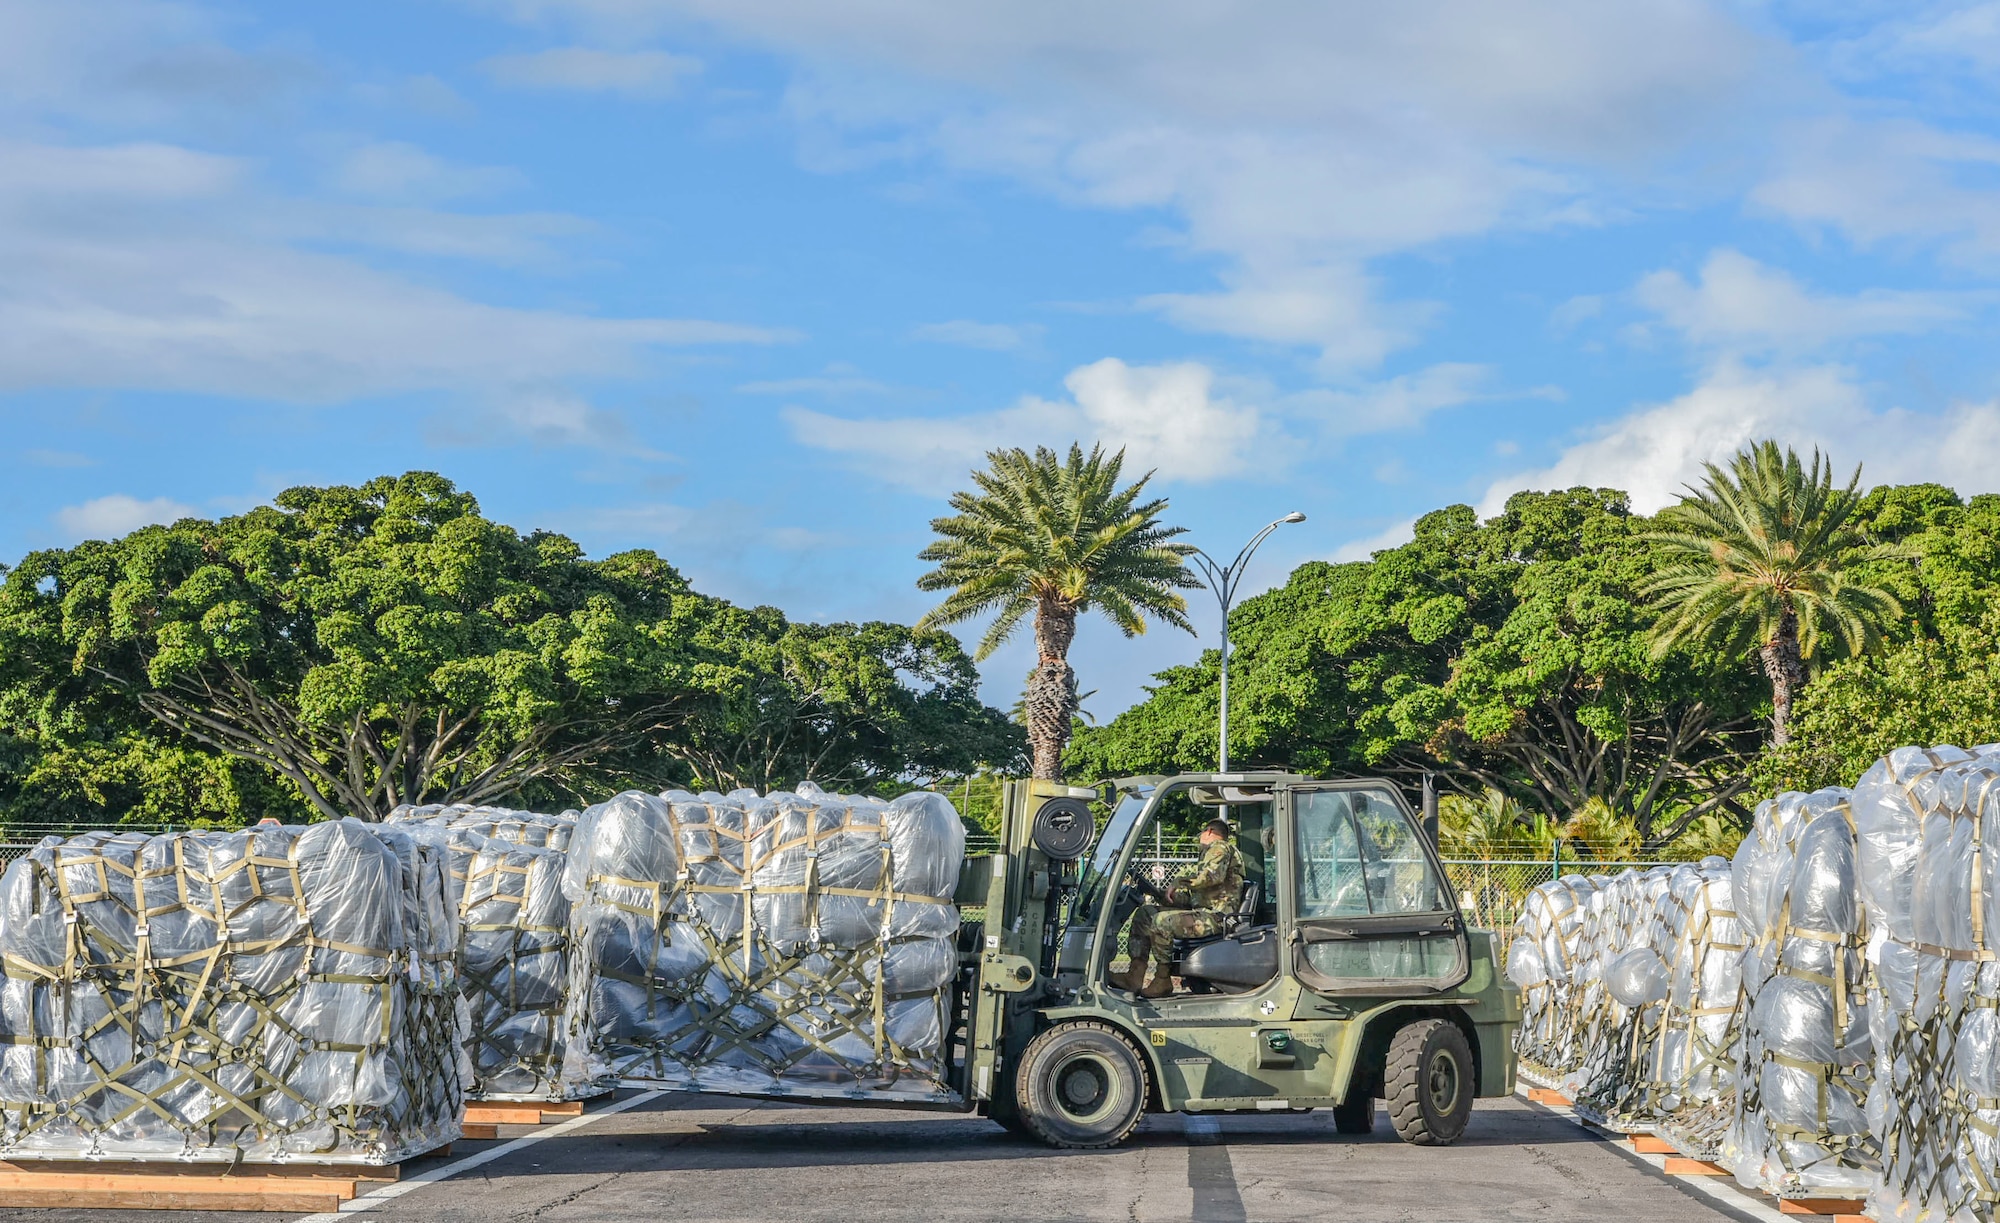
(1154, 930)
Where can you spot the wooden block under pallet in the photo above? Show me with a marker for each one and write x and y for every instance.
(479, 1131)
(1681, 1165)
(1549, 1096)
(1837, 1210)
(504, 1114)
(1651, 1144)
(172, 1197)
(137, 1185)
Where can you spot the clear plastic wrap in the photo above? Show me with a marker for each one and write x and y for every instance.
(513, 939)
(792, 942)
(1542, 962)
(1616, 1037)
(1806, 1055)
(1929, 850)
(270, 995)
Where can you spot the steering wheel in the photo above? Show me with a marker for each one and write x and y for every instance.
(1137, 889)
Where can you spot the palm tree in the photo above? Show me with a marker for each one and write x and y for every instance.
(1056, 538)
(1762, 555)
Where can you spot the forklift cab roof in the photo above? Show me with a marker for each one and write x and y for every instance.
(1216, 789)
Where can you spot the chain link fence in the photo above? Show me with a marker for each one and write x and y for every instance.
(1489, 890)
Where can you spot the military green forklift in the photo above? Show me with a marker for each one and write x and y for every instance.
(1345, 975)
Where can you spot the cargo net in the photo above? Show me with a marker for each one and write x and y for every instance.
(1929, 823)
(1805, 1055)
(1612, 1032)
(1542, 961)
(792, 943)
(513, 931)
(270, 995)
(1680, 985)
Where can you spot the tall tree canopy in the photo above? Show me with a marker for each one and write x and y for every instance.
(1055, 537)
(1512, 653)
(388, 643)
(1764, 555)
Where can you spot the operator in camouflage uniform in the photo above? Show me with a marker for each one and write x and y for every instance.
(1209, 894)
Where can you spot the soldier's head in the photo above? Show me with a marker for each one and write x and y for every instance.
(1215, 832)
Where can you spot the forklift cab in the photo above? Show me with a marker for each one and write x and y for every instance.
(1338, 870)
(1346, 975)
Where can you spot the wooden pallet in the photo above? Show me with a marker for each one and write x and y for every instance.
(1833, 1210)
(483, 1118)
(106, 1185)
(1549, 1096)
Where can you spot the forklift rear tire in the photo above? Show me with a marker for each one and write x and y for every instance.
(1081, 1085)
(1429, 1083)
(1355, 1114)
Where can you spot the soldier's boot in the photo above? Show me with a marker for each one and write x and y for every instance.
(1161, 985)
(1132, 979)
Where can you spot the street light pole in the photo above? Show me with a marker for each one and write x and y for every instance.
(1222, 580)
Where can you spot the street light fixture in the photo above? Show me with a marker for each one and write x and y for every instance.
(1222, 580)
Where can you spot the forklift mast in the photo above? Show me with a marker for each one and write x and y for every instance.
(1022, 888)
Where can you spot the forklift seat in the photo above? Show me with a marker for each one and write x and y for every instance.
(1239, 956)
(1246, 912)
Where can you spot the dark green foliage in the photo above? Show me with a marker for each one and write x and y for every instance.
(351, 648)
(1512, 653)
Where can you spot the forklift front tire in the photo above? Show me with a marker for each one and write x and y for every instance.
(1429, 1082)
(1081, 1085)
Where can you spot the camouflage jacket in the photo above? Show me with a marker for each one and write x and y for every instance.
(1217, 882)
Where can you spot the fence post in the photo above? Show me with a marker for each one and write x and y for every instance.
(1556, 859)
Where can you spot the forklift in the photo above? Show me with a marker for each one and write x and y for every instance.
(1345, 975)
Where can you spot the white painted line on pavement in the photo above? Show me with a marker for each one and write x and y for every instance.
(389, 1192)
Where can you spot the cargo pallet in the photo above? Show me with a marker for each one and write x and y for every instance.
(1661, 1151)
(483, 1118)
(109, 1185)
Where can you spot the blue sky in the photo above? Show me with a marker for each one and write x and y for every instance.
(755, 283)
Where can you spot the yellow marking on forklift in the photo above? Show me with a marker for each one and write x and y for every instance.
(1159, 1038)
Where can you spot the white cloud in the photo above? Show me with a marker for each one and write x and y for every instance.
(1166, 417)
(153, 267)
(635, 74)
(117, 514)
(994, 337)
(1294, 141)
(1654, 452)
(1402, 402)
(392, 169)
(1890, 181)
(1743, 305)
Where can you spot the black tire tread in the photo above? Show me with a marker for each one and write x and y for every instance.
(1402, 1078)
(1144, 1093)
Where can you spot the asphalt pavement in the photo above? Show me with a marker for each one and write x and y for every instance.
(676, 1156)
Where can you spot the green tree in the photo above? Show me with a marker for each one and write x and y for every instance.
(361, 647)
(1764, 555)
(848, 706)
(1511, 653)
(1055, 537)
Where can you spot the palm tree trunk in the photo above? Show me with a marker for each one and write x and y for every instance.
(1051, 697)
(1787, 673)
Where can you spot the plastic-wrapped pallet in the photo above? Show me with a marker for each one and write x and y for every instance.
(1542, 962)
(1695, 1069)
(1929, 822)
(514, 938)
(1619, 1013)
(270, 995)
(1806, 1055)
(1684, 1071)
(791, 943)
